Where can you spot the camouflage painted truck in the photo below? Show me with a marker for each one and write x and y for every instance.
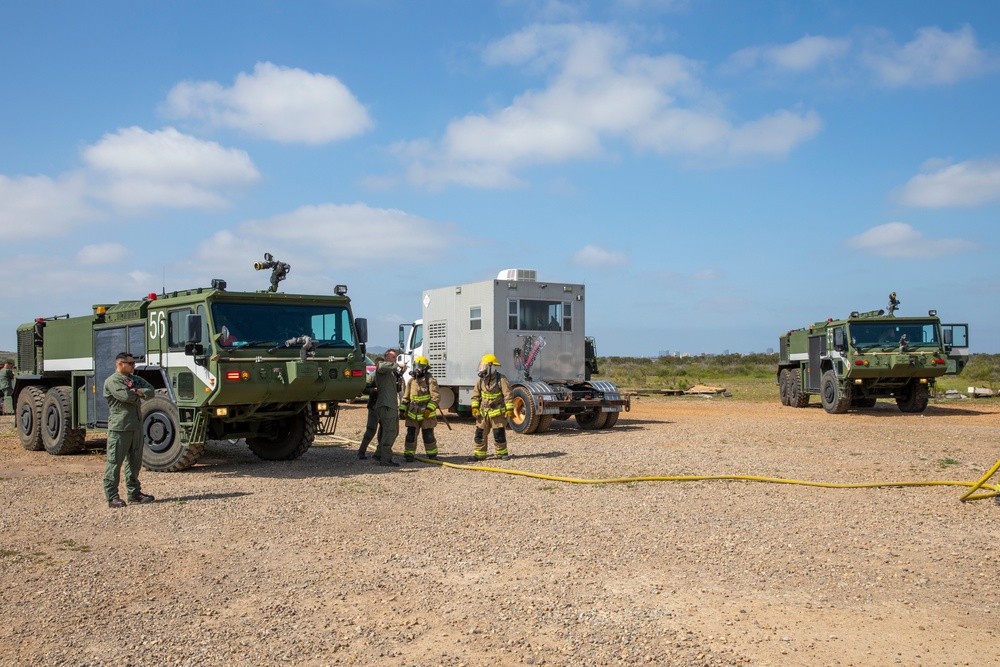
(267, 367)
(851, 363)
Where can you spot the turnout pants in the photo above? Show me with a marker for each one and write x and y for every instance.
(426, 434)
(482, 439)
(124, 447)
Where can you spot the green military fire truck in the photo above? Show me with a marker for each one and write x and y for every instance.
(267, 367)
(853, 362)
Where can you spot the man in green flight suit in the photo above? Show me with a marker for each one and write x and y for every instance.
(386, 381)
(6, 385)
(124, 392)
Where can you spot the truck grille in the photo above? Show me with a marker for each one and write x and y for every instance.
(26, 351)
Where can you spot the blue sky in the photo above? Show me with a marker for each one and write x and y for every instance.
(714, 172)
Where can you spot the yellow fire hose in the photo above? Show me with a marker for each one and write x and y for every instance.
(974, 486)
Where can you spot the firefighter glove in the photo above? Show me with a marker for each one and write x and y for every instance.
(508, 414)
(475, 412)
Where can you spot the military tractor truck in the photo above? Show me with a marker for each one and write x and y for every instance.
(267, 367)
(851, 363)
(536, 331)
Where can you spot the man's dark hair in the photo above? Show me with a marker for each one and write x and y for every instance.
(122, 356)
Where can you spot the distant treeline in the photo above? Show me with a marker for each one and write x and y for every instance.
(685, 372)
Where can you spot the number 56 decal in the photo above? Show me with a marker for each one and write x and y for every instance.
(157, 325)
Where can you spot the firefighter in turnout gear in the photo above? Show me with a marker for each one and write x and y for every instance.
(492, 406)
(418, 407)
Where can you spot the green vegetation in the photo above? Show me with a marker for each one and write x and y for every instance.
(685, 372)
(70, 545)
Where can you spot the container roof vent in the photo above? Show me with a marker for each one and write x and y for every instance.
(524, 275)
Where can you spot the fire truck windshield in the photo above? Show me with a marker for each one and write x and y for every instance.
(269, 324)
(890, 334)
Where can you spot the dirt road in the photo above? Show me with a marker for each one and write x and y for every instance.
(330, 560)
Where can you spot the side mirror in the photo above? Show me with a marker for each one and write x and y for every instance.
(194, 349)
(361, 327)
(948, 338)
(193, 324)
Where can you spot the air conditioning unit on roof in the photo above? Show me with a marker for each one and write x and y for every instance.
(524, 275)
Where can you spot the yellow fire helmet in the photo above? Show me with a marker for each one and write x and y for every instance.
(421, 362)
(489, 359)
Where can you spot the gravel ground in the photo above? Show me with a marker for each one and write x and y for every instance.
(329, 560)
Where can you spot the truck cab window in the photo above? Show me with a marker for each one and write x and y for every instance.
(177, 328)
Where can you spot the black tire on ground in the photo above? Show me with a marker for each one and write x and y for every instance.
(864, 402)
(525, 419)
(28, 418)
(293, 438)
(914, 397)
(796, 397)
(57, 417)
(544, 423)
(835, 400)
(163, 447)
(783, 386)
(611, 420)
(592, 419)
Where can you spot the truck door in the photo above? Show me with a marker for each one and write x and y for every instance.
(107, 344)
(956, 344)
(817, 344)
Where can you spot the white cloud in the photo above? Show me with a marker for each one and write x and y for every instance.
(327, 236)
(101, 253)
(593, 257)
(282, 104)
(661, 5)
(598, 92)
(707, 274)
(33, 206)
(934, 57)
(805, 54)
(128, 171)
(971, 183)
(898, 239)
(166, 168)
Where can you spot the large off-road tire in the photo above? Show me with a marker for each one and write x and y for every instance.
(783, 387)
(57, 417)
(611, 420)
(835, 400)
(28, 418)
(914, 397)
(163, 447)
(796, 397)
(294, 436)
(592, 419)
(862, 402)
(525, 419)
(544, 423)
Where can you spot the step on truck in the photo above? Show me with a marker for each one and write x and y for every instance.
(535, 329)
(853, 362)
(267, 367)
